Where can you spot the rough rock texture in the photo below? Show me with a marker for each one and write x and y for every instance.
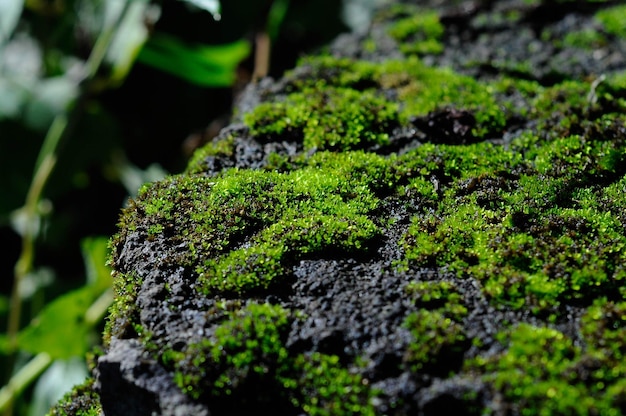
(397, 238)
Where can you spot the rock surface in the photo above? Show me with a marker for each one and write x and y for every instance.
(428, 218)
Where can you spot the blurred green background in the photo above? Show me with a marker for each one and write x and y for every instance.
(97, 97)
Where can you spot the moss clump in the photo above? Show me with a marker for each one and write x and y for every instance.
(123, 313)
(417, 31)
(281, 217)
(543, 371)
(223, 147)
(439, 337)
(535, 373)
(247, 366)
(327, 118)
(536, 231)
(360, 117)
(439, 343)
(612, 19)
(81, 401)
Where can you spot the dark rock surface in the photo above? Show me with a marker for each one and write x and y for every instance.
(354, 306)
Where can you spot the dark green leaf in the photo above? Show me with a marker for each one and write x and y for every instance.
(210, 66)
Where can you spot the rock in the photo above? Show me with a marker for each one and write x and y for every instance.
(426, 219)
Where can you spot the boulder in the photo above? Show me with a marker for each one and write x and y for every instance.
(427, 218)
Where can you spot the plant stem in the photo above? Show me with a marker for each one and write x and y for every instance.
(23, 379)
(58, 132)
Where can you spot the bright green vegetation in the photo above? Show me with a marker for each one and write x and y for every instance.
(222, 148)
(613, 20)
(537, 230)
(417, 31)
(246, 363)
(439, 338)
(81, 401)
(337, 108)
(327, 118)
(321, 207)
(544, 372)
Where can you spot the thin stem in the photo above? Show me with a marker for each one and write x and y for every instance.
(57, 133)
(23, 379)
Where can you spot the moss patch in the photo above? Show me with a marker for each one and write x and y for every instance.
(81, 401)
(246, 366)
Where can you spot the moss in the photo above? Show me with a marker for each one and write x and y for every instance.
(319, 208)
(586, 39)
(441, 296)
(543, 371)
(612, 19)
(327, 118)
(539, 222)
(123, 312)
(81, 401)
(535, 373)
(247, 366)
(537, 238)
(419, 32)
(224, 147)
(438, 343)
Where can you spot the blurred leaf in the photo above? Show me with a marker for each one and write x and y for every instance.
(95, 254)
(276, 16)
(58, 379)
(211, 6)
(12, 97)
(10, 11)
(60, 330)
(210, 66)
(129, 36)
(50, 97)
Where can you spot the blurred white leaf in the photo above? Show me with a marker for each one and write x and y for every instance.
(10, 12)
(49, 98)
(58, 379)
(130, 35)
(12, 96)
(211, 6)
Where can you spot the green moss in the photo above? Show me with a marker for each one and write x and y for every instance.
(418, 33)
(535, 373)
(327, 118)
(322, 207)
(544, 372)
(123, 311)
(222, 147)
(586, 39)
(81, 401)
(438, 345)
(537, 238)
(441, 296)
(328, 389)
(247, 366)
(612, 19)
(539, 222)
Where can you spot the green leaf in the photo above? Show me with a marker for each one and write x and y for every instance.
(60, 330)
(209, 66)
(95, 254)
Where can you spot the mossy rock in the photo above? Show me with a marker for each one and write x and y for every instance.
(427, 218)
